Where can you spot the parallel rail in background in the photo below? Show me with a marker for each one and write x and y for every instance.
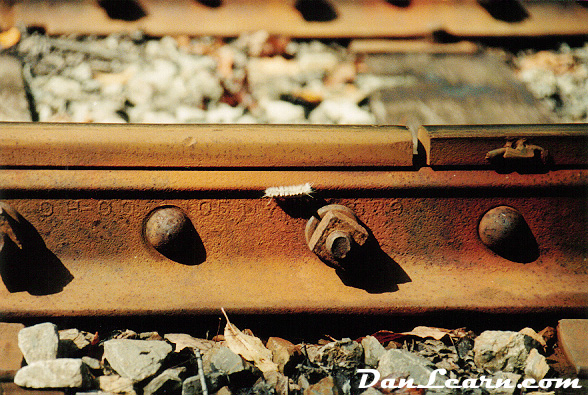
(89, 212)
(302, 18)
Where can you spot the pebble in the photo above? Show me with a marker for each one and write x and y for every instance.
(64, 87)
(185, 114)
(56, 373)
(71, 341)
(282, 351)
(193, 385)
(223, 113)
(344, 355)
(502, 350)
(536, 366)
(398, 362)
(282, 112)
(168, 382)
(341, 112)
(136, 359)
(116, 384)
(92, 363)
(373, 350)
(226, 361)
(39, 342)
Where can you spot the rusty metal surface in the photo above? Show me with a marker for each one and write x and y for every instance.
(12, 357)
(572, 335)
(111, 223)
(565, 144)
(251, 254)
(95, 145)
(420, 18)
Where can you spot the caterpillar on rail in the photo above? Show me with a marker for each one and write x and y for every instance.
(289, 191)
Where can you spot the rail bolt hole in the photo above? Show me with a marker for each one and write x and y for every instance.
(316, 10)
(124, 10)
(210, 3)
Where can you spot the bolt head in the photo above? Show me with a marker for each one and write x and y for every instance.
(504, 230)
(165, 227)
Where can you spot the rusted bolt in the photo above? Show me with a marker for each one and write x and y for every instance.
(333, 233)
(339, 244)
(165, 228)
(504, 230)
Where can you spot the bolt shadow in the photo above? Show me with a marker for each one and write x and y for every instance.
(30, 267)
(301, 206)
(371, 269)
(187, 248)
(533, 165)
(367, 267)
(520, 247)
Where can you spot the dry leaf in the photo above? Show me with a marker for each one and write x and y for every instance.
(182, 340)
(425, 331)
(9, 38)
(249, 347)
(422, 332)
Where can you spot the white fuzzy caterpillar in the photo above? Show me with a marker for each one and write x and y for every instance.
(289, 191)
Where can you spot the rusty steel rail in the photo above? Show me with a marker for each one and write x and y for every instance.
(118, 219)
(328, 19)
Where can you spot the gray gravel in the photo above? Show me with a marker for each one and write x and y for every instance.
(253, 79)
(558, 78)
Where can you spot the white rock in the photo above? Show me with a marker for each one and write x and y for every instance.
(168, 382)
(81, 72)
(205, 84)
(138, 91)
(418, 368)
(542, 83)
(158, 117)
(190, 65)
(226, 361)
(136, 359)
(56, 373)
(64, 87)
(39, 342)
(92, 363)
(115, 384)
(340, 112)
(247, 119)
(71, 341)
(317, 62)
(185, 114)
(502, 351)
(536, 366)
(372, 350)
(223, 113)
(261, 70)
(278, 111)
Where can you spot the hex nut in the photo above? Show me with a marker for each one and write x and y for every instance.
(334, 233)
